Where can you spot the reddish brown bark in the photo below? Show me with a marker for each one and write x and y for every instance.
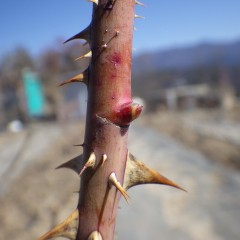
(108, 116)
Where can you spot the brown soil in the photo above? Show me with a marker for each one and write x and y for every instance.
(36, 200)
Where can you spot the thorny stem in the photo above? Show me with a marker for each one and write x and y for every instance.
(107, 169)
(107, 122)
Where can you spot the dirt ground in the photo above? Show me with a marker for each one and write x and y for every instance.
(214, 133)
(34, 197)
(39, 196)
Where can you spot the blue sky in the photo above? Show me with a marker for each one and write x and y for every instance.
(37, 24)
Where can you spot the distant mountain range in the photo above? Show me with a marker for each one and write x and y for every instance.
(186, 58)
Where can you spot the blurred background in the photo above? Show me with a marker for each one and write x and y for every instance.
(186, 73)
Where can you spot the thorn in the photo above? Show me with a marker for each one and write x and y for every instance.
(93, 1)
(104, 45)
(139, 3)
(87, 55)
(117, 33)
(137, 173)
(113, 180)
(75, 164)
(77, 78)
(82, 77)
(84, 34)
(79, 145)
(95, 236)
(84, 44)
(67, 229)
(109, 5)
(138, 16)
(90, 163)
(104, 159)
